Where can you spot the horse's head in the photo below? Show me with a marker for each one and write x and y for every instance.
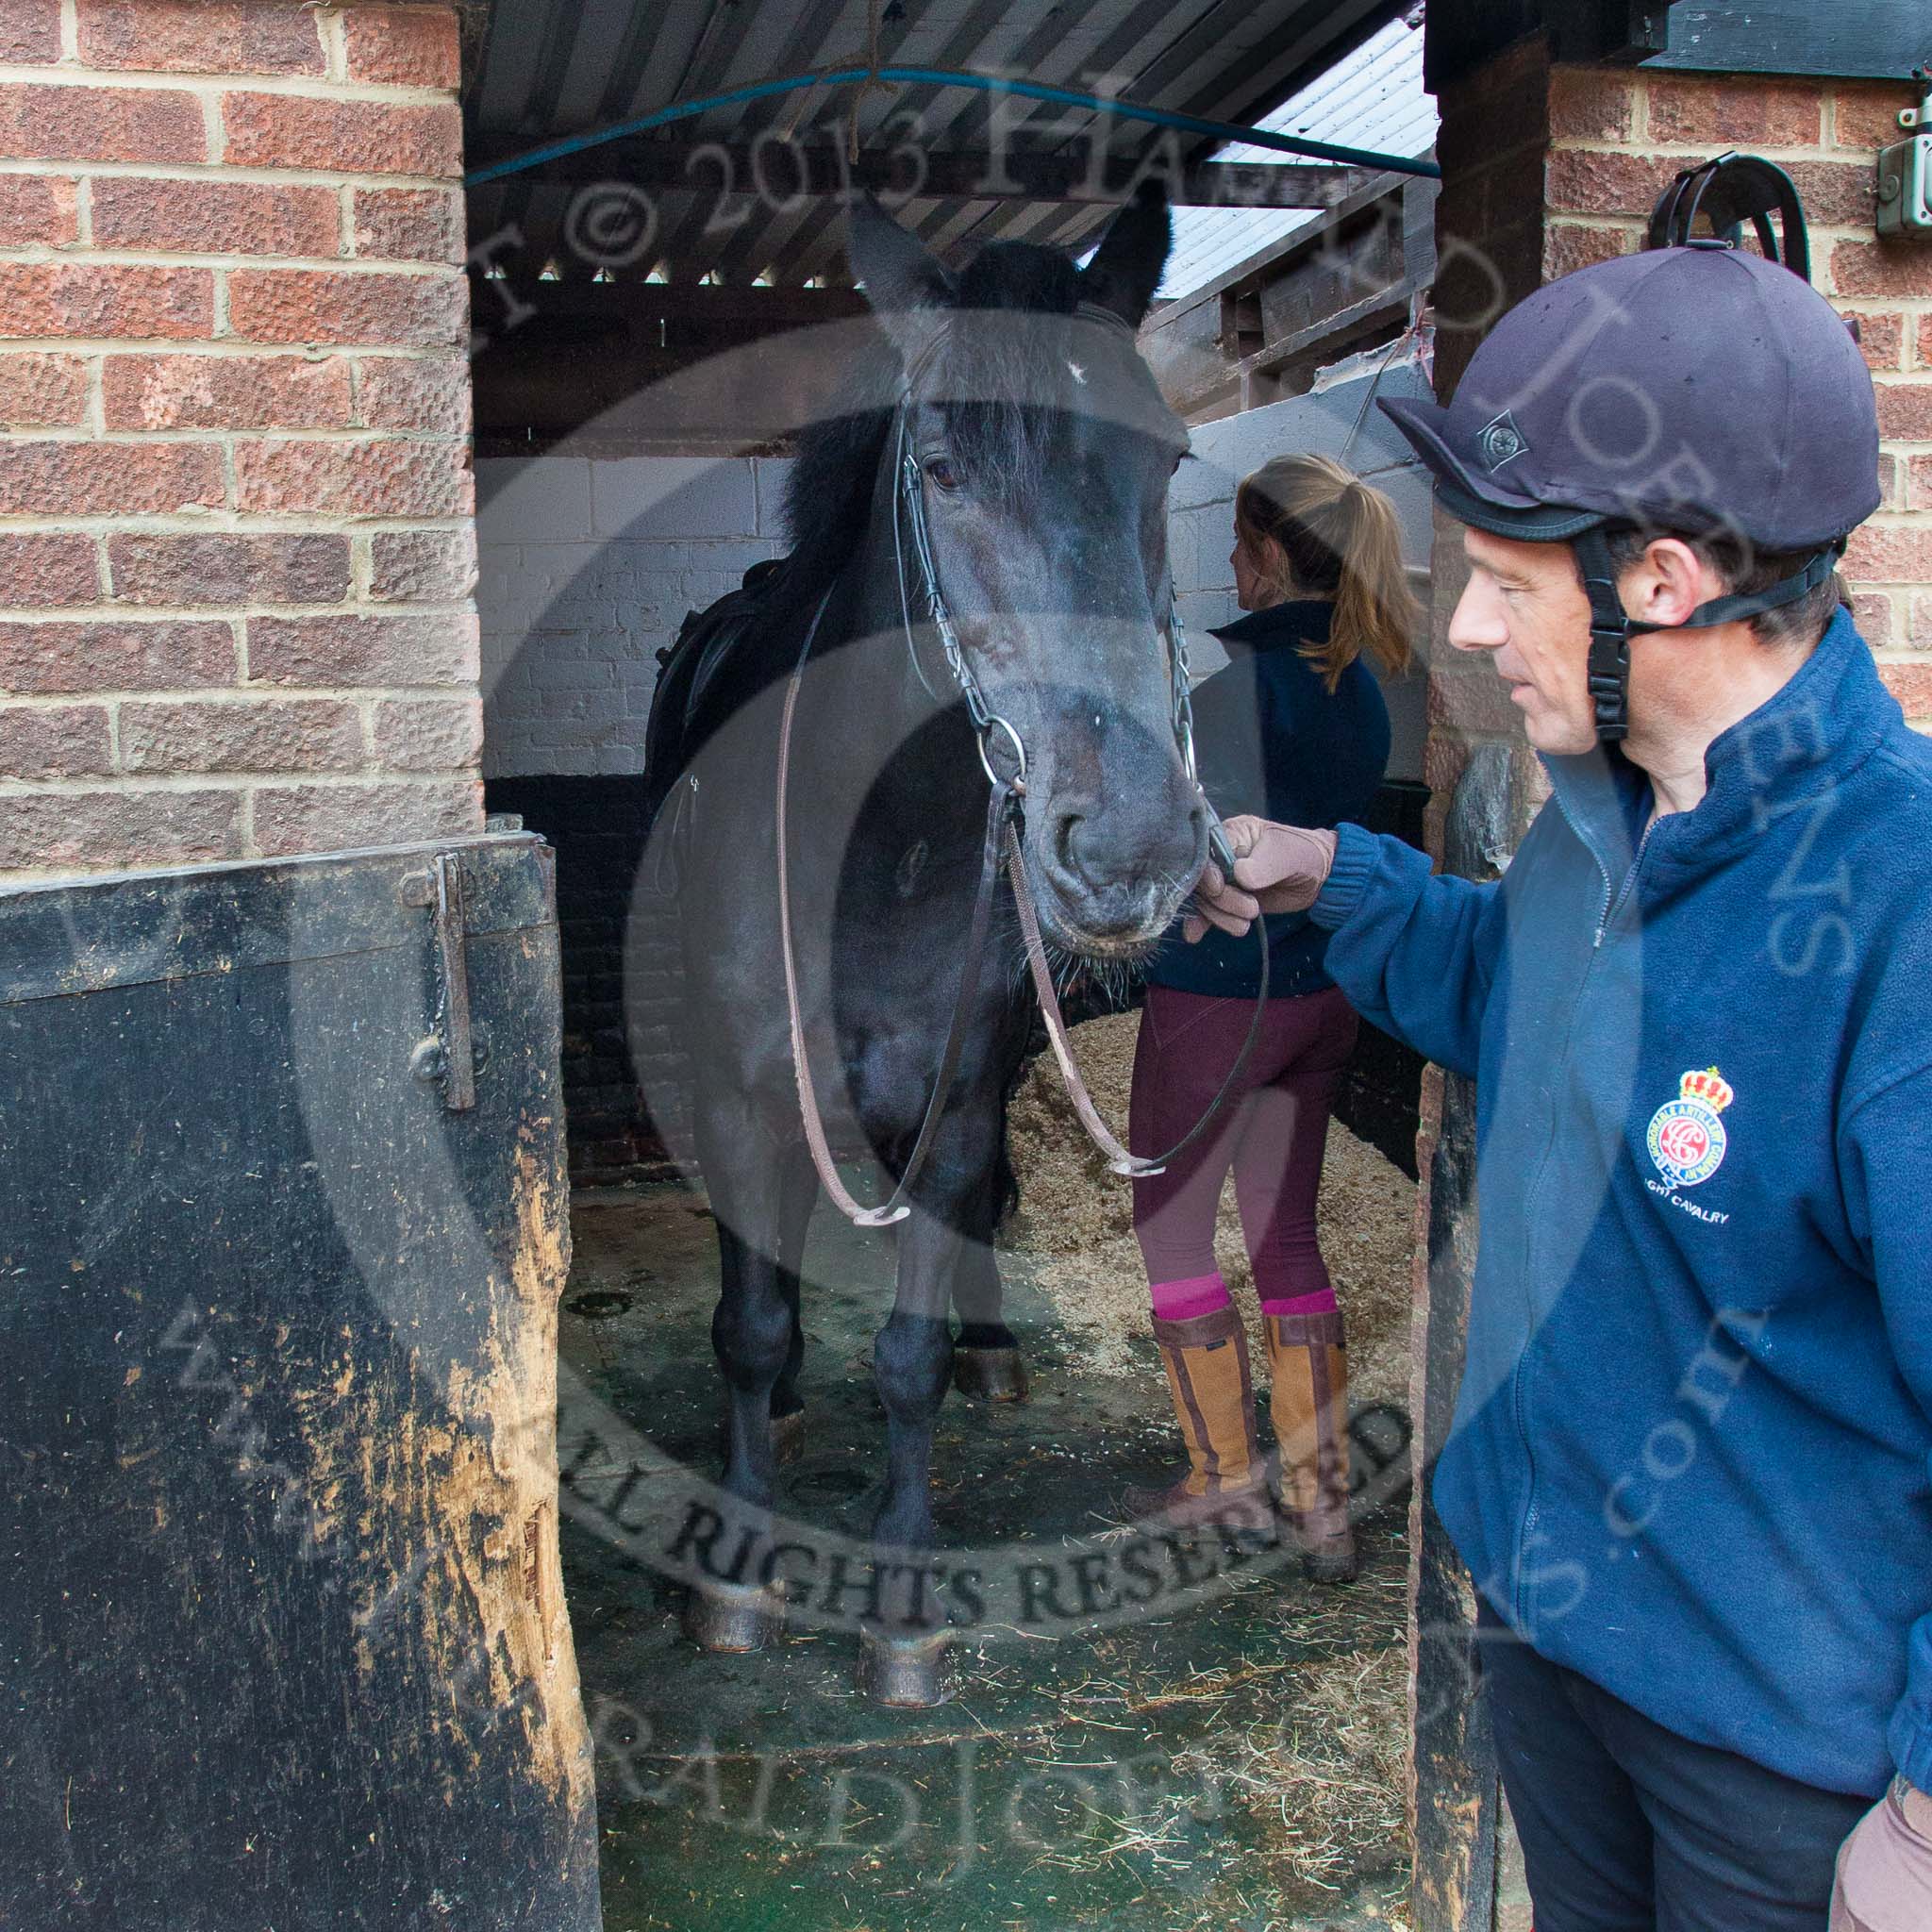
(1043, 451)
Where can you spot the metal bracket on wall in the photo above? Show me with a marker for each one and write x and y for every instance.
(1905, 169)
(450, 1054)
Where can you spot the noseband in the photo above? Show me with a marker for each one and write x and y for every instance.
(1002, 840)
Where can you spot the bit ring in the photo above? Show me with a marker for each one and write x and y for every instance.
(996, 722)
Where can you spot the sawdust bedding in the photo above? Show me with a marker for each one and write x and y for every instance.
(1073, 1230)
(1323, 1760)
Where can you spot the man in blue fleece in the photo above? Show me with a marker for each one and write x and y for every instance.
(1691, 1462)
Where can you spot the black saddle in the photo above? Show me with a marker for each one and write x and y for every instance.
(721, 656)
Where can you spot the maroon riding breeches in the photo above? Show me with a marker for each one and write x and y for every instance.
(1272, 1133)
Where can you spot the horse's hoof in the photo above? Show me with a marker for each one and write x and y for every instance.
(787, 1437)
(731, 1618)
(1336, 1563)
(989, 1374)
(1326, 1542)
(913, 1669)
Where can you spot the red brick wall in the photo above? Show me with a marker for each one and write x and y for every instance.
(236, 546)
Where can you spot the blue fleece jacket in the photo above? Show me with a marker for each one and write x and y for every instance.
(1272, 739)
(1691, 1458)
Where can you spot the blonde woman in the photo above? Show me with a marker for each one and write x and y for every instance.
(1295, 730)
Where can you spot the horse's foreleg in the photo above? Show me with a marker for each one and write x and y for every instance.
(798, 1196)
(902, 1655)
(903, 1658)
(752, 1334)
(912, 1362)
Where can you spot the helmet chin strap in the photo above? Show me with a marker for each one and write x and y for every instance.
(1611, 627)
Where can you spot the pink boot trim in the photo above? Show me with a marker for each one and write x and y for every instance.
(1319, 1303)
(1181, 1301)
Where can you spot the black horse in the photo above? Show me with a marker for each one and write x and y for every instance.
(1040, 451)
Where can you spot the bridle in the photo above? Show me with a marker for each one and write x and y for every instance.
(910, 510)
(1000, 844)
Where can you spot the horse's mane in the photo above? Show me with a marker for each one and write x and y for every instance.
(828, 494)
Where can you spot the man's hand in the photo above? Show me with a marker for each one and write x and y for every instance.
(1277, 869)
(1885, 1868)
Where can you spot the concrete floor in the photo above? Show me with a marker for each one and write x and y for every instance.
(1092, 1778)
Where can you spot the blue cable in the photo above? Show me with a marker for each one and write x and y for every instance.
(986, 83)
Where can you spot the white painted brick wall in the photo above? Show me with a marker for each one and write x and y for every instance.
(588, 565)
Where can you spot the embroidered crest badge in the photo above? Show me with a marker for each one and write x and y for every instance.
(1687, 1139)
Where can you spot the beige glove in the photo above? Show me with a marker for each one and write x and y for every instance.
(1277, 869)
(1885, 1867)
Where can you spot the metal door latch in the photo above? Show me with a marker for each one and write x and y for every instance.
(449, 1057)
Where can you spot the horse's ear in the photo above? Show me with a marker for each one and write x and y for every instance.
(904, 284)
(1127, 267)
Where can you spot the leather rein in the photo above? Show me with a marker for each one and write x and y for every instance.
(1001, 845)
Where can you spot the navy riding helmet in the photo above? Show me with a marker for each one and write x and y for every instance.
(1697, 389)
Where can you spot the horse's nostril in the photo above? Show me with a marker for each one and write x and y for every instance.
(1063, 842)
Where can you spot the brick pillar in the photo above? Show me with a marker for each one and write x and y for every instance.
(1492, 143)
(235, 500)
(1492, 247)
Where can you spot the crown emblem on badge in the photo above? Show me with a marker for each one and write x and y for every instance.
(1686, 1138)
(1707, 1085)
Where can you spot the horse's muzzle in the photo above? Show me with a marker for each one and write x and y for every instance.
(1109, 893)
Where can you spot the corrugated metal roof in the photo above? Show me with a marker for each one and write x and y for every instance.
(1372, 98)
(550, 67)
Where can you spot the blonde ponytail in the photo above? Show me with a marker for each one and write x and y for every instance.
(1314, 529)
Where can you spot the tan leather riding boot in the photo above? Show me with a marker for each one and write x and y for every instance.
(1307, 1398)
(1226, 1481)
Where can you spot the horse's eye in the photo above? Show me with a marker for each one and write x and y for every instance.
(942, 472)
